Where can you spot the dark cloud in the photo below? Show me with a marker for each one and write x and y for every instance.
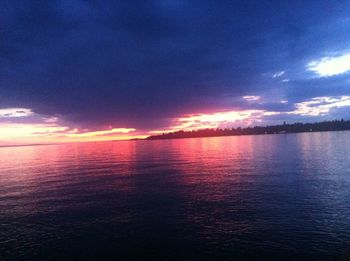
(317, 87)
(140, 63)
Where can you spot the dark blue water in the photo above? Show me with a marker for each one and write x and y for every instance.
(228, 198)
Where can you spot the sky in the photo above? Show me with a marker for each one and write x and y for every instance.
(75, 70)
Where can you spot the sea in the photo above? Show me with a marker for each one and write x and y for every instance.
(264, 197)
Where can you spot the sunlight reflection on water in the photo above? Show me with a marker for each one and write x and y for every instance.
(251, 196)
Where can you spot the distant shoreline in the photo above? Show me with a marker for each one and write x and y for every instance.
(198, 137)
(28, 145)
(336, 125)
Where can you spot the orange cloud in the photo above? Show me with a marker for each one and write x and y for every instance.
(216, 120)
(14, 134)
(22, 126)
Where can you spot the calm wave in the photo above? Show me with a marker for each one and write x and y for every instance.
(259, 197)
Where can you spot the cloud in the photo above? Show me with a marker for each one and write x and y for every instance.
(110, 132)
(330, 66)
(227, 119)
(278, 74)
(321, 105)
(251, 98)
(21, 125)
(15, 112)
(315, 107)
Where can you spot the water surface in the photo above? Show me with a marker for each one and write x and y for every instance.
(248, 197)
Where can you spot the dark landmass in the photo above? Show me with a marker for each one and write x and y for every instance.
(336, 125)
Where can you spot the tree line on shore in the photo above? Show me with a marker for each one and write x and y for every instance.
(336, 125)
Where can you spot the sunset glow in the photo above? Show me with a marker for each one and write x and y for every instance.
(17, 134)
(227, 119)
(23, 126)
